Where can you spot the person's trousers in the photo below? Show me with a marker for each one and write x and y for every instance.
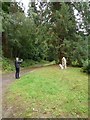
(17, 73)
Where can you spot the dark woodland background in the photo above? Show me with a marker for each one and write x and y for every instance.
(47, 33)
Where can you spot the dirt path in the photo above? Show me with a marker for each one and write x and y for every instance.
(8, 78)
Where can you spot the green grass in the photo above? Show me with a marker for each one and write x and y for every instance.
(49, 92)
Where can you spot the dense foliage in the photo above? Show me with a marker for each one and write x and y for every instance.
(49, 32)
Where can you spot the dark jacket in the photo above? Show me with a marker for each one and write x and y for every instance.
(17, 64)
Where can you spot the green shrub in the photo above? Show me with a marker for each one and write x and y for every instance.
(7, 64)
(75, 63)
(0, 62)
(27, 63)
(86, 66)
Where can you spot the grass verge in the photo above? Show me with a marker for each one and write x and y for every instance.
(48, 92)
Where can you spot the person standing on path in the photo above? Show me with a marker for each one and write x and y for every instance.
(17, 66)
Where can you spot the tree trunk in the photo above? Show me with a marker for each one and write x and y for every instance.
(61, 52)
(5, 44)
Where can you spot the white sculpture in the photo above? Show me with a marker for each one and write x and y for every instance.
(63, 65)
(60, 66)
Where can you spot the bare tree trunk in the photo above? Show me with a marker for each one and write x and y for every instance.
(5, 44)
